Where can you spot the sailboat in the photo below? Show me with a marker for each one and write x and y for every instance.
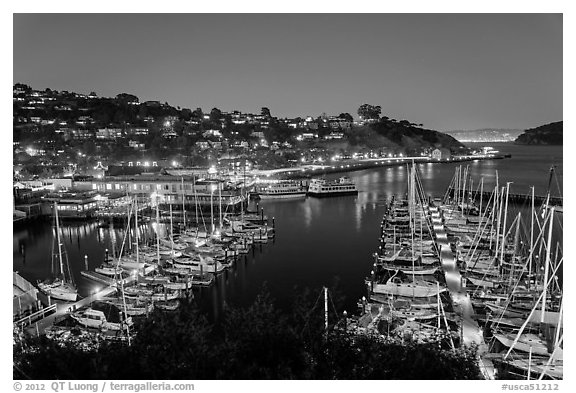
(62, 287)
(392, 269)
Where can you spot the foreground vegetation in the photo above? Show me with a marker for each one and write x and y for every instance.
(260, 342)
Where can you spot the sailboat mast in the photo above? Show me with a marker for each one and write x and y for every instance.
(183, 203)
(457, 188)
(128, 213)
(515, 250)
(493, 215)
(158, 227)
(196, 203)
(504, 224)
(242, 196)
(547, 265)
(480, 215)
(464, 189)
(171, 229)
(413, 223)
(220, 204)
(59, 242)
(326, 309)
(136, 229)
(530, 262)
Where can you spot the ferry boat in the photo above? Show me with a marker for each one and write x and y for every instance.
(281, 190)
(321, 188)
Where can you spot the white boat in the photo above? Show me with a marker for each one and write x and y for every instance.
(180, 283)
(128, 263)
(168, 254)
(554, 369)
(62, 287)
(133, 306)
(59, 290)
(415, 313)
(281, 190)
(204, 265)
(170, 305)
(395, 287)
(109, 269)
(526, 343)
(417, 270)
(137, 291)
(163, 296)
(97, 320)
(322, 188)
(173, 245)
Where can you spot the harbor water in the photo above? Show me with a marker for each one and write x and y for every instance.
(318, 241)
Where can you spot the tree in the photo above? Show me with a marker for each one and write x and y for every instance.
(265, 112)
(369, 112)
(346, 116)
(198, 114)
(125, 97)
(215, 115)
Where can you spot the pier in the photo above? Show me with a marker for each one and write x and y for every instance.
(512, 198)
(471, 334)
(63, 309)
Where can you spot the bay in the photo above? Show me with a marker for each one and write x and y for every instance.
(318, 241)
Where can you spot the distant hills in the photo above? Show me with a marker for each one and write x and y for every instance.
(548, 134)
(485, 135)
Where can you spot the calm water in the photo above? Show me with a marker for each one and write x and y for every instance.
(317, 241)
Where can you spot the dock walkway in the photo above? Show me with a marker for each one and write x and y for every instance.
(470, 331)
(63, 309)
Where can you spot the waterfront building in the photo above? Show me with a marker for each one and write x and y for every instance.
(171, 190)
(439, 154)
(73, 204)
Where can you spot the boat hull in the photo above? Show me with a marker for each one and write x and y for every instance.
(331, 193)
(294, 195)
(59, 293)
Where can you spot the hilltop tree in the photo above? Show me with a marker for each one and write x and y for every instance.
(125, 97)
(346, 116)
(265, 112)
(198, 114)
(215, 115)
(369, 112)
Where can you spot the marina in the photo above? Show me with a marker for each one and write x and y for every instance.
(429, 279)
(360, 197)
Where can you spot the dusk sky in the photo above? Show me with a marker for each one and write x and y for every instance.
(447, 71)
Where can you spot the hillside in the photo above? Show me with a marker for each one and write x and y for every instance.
(401, 137)
(548, 134)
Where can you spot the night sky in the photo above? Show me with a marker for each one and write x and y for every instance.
(447, 71)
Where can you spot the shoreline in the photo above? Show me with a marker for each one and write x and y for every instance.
(308, 171)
